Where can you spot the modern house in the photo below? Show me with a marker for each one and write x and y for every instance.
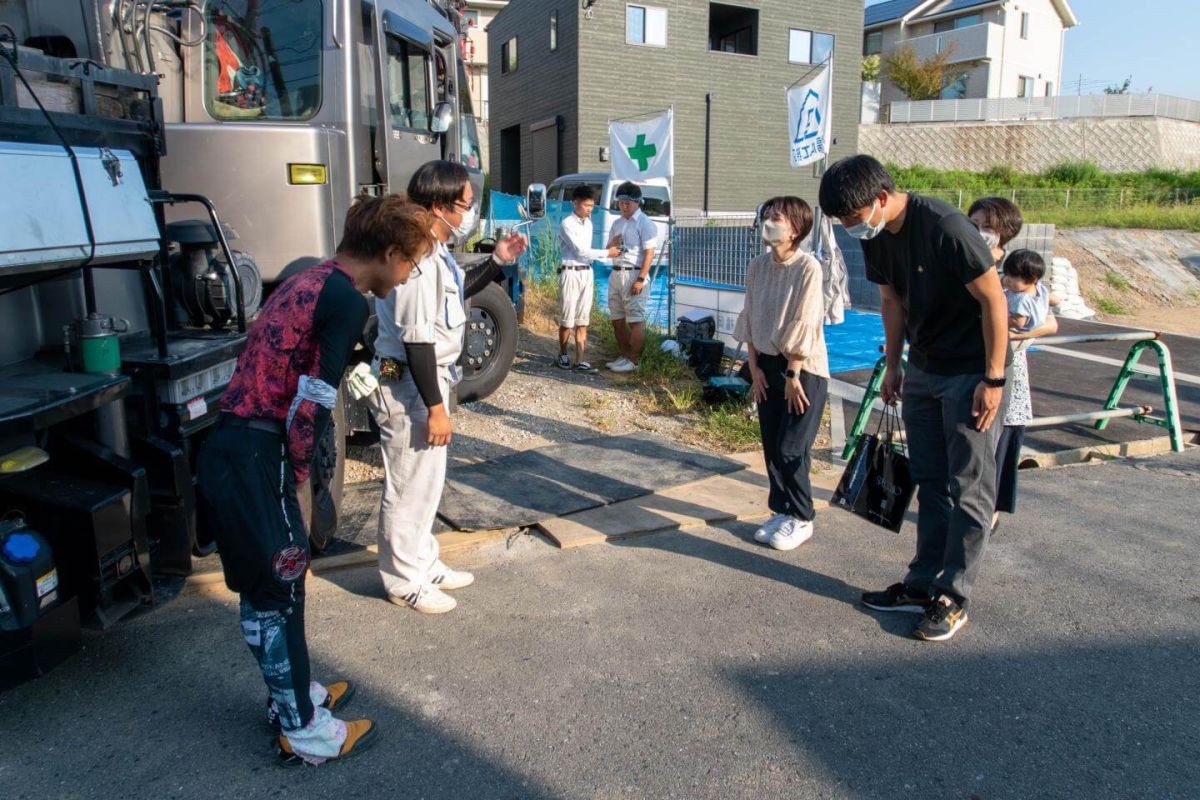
(559, 70)
(1004, 48)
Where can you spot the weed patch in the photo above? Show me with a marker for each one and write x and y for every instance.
(1108, 306)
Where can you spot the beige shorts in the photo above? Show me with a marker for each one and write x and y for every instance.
(622, 302)
(575, 287)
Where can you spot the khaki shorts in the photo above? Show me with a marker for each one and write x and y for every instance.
(622, 302)
(575, 287)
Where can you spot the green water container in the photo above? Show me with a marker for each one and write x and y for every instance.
(99, 346)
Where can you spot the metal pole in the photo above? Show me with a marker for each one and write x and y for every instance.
(864, 410)
(707, 147)
(1087, 416)
(1122, 336)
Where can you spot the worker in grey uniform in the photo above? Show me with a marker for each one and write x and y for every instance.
(575, 277)
(628, 283)
(421, 329)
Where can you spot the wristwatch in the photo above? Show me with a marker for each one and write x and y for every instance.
(995, 383)
(790, 373)
(640, 279)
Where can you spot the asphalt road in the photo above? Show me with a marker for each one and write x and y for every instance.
(689, 665)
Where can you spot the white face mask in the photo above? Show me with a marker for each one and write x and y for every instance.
(990, 238)
(774, 233)
(461, 232)
(865, 230)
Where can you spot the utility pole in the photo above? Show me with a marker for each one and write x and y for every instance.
(1079, 86)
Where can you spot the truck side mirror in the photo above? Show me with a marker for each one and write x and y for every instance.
(535, 200)
(443, 115)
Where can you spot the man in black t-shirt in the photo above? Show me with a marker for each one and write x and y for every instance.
(941, 294)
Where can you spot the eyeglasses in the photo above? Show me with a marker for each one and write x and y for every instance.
(461, 206)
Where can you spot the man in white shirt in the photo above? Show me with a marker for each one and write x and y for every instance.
(637, 236)
(575, 278)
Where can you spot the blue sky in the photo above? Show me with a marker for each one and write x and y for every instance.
(1152, 40)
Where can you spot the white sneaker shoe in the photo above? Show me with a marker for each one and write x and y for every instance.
(628, 366)
(791, 534)
(763, 534)
(428, 600)
(621, 361)
(453, 579)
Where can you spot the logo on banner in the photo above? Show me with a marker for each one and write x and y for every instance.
(643, 148)
(809, 142)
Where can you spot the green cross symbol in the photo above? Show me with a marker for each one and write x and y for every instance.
(642, 152)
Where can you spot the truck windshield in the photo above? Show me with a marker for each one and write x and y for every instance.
(471, 155)
(263, 59)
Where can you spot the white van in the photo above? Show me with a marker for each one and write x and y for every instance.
(656, 194)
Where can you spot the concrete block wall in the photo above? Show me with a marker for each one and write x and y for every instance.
(1116, 144)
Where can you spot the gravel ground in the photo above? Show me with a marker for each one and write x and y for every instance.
(540, 404)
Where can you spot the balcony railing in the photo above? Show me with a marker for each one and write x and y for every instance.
(972, 43)
(1026, 108)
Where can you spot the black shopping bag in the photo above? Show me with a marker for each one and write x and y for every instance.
(877, 484)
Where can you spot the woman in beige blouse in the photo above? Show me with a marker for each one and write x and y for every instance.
(782, 324)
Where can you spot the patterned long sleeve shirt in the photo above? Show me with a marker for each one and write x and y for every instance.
(308, 326)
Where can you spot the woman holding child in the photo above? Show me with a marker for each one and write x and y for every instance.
(1029, 303)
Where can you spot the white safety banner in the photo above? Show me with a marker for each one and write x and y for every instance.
(643, 148)
(810, 119)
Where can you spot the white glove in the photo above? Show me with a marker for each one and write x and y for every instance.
(362, 381)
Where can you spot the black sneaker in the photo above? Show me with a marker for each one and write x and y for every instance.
(564, 362)
(897, 597)
(942, 620)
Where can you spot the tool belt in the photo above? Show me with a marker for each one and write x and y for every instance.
(391, 370)
(564, 267)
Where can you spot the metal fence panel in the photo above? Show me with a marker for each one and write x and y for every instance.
(1060, 107)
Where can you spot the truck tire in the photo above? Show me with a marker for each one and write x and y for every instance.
(321, 496)
(491, 344)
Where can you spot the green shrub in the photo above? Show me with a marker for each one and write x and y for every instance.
(1106, 306)
(1076, 173)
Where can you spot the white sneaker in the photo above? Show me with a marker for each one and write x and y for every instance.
(619, 362)
(628, 366)
(453, 579)
(428, 600)
(791, 534)
(763, 534)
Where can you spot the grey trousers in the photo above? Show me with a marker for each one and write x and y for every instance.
(954, 467)
(414, 475)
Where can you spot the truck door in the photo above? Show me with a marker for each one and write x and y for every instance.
(407, 78)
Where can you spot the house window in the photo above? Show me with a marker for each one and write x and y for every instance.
(553, 31)
(732, 29)
(508, 56)
(472, 18)
(646, 25)
(1024, 86)
(1049, 89)
(873, 43)
(944, 25)
(806, 47)
(1024, 24)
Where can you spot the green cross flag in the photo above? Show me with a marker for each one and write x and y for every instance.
(642, 147)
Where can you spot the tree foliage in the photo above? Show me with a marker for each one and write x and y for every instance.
(920, 78)
(870, 69)
(1119, 88)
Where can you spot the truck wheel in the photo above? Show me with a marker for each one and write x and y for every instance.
(321, 496)
(490, 345)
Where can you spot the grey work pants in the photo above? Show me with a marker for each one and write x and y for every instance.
(954, 467)
(414, 475)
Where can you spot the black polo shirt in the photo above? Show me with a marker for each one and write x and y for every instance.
(929, 263)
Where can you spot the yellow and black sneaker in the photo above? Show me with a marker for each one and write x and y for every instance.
(360, 734)
(337, 695)
(942, 620)
(897, 597)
